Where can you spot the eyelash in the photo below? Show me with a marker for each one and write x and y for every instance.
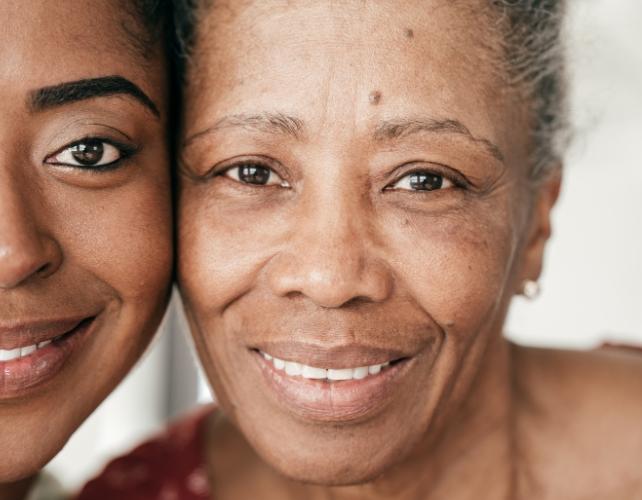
(458, 181)
(125, 152)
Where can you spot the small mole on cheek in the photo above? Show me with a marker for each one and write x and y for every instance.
(374, 97)
(408, 33)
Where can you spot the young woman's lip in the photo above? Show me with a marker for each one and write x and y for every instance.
(26, 333)
(347, 401)
(335, 357)
(20, 376)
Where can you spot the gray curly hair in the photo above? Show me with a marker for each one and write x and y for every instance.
(534, 62)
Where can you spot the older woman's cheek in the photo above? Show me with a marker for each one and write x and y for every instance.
(456, 267)
(222, 249)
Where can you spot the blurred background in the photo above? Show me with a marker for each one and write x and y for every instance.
(592, 284)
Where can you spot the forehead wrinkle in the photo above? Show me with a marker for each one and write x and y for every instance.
(390, 130)
(271, 123)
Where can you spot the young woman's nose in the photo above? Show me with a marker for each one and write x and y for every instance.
(26, 252)
(331, 257)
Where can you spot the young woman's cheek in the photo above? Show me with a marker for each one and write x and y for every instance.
(129, 228)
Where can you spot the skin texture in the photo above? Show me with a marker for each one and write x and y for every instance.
(336, 250)
(73, 241)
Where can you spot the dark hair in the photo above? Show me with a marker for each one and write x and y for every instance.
(533, 53)
(150, 20)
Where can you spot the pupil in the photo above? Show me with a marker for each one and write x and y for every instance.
(88, 153)
(254, 174)
(424, 181)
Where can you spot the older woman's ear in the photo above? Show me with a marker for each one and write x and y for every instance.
(546, 194)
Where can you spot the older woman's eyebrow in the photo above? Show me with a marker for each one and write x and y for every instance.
(398, 128)
(80, 90)
(271, 123)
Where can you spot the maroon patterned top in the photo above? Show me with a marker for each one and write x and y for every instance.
(169, 467)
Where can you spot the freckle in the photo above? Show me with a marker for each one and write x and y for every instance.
(374, 97)
(408, 33)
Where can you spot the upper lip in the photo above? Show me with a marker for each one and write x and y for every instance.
(25, 333)
(334, 356)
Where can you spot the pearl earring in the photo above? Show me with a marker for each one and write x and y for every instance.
(530, 289)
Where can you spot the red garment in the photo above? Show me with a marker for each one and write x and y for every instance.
(169, 467)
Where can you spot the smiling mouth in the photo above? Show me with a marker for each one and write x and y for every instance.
(7, 355)
(41, 356)
(295, 369)
(338, 393)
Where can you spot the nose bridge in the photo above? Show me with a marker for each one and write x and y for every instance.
(331, 253)
(24, 251)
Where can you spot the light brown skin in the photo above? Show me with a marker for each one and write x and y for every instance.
(335, 256)
(71, 239)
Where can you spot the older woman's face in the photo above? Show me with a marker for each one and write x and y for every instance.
(85, 253)
(352, 204)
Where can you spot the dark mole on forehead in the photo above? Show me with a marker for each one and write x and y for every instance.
(374, 97)
(408, 33)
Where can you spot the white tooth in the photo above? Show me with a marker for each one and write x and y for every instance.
(279, 364)
(267, 356)
(25, 351)
(385, 364)
(374, 369)
(343, 374)
(44, 343)
(292, 368)
(9, 355)
(360, 373)
(315, 373)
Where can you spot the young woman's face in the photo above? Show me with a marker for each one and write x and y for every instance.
(85, 225)
(352, 203)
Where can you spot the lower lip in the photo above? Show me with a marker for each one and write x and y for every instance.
(20, 376)
(336, 401)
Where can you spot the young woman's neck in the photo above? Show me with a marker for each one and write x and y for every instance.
(17, 490)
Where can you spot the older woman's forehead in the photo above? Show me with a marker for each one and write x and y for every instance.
(320, 62)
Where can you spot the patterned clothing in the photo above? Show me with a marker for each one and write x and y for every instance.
(171, 466)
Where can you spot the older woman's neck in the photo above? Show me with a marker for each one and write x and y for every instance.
(17, 490)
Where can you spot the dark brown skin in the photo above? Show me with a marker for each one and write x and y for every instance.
(73, 239)
(337, 250)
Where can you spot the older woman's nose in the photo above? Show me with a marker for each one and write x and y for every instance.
(331, 259)
(25, 252)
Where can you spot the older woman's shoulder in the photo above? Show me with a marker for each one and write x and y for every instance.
(592, 380)
(580, 413)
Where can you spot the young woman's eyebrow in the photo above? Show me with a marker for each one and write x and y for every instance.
(79, 90)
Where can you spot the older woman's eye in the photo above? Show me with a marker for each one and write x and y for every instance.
(422, 181)
(89, 154)
(255, 174)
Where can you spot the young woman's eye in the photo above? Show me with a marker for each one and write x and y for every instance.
(89, 153)
(255, 174)
(422, 181)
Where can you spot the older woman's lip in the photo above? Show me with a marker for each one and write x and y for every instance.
(334, 401)
(20, 375)
(331, 356)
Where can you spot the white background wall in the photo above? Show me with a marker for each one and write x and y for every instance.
(592, 284)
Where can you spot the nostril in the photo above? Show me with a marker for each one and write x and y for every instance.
(43, 269)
